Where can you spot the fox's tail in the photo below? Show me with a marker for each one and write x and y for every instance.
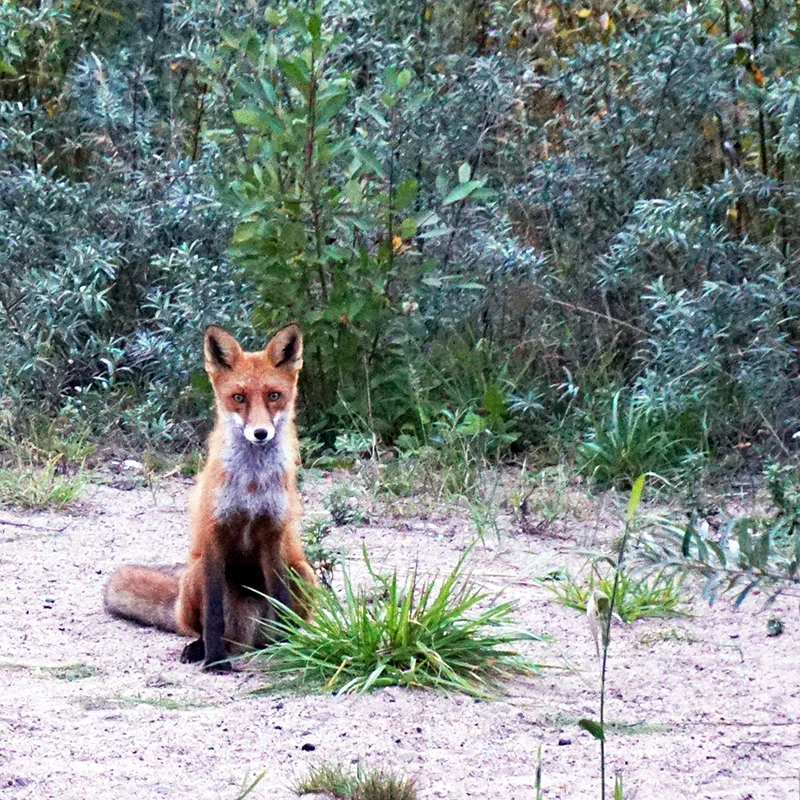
(145, 595)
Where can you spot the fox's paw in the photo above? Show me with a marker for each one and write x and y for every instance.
(217, 666)
(194, 652)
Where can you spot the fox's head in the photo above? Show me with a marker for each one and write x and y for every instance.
(254, 391)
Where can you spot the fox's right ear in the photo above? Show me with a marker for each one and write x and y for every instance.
(221, 350)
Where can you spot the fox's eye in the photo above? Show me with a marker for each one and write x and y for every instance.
(238, 398)
(274, 396)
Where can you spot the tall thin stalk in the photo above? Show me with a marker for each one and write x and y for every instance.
(602, 610)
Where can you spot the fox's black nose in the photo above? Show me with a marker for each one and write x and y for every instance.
(261, 434)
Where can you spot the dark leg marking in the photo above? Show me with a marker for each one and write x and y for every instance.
(214, 623)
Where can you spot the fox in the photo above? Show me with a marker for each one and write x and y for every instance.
(245, 509)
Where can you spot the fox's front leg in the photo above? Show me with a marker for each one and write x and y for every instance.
(215, 654)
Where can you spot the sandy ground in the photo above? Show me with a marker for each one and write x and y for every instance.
(93, 707)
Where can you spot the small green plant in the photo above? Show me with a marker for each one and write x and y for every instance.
(249, 785)
(408, 632)
(539, 501)
(320, 555)
(343, 507)
(774, 626)
(398, 476)
(629, 439)
(43, 440)
(37, 487)
(600, 612)
(634, 598)
(336, 782)
(679, 635)
(192, 464)
(73, 672)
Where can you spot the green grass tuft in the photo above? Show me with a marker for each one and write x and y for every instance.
(658, 596)
(628, 439)
(30, 486)
(334, 781)
(401, 633)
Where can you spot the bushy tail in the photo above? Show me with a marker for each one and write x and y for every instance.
(144, 594)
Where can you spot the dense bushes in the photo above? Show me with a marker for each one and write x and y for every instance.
(540, 204)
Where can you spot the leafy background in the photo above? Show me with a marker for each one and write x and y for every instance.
(543, 227)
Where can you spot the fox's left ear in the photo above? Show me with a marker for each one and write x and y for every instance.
(285, 349)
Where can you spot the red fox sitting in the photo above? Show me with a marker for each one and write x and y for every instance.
(245, 512)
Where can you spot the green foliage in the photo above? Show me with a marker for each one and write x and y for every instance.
(334, 781)
(488, 217)
(322, 557)
(342, 504)
(39, 487)
(758, 552)
(635, 598)
(44, 467)
(401, 633)
(628, 439)
(328, 221)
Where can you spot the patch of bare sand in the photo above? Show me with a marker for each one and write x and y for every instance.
(91, 706)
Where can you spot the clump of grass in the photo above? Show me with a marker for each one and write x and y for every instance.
(628, 438)
(73, 672)
(29, 485)
(672, 635)
(656, 596)
(401, 633)
(336, 782)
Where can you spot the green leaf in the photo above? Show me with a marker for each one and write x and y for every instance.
(761, 549)
(269, 92)
(352, 192)
(403, 78)
(464, 172)
(405, 194)
(330, 105)
(263, 121)
(472, 425)
(408, 227)
(494, 402)
(462, 192)
(315, 25)
(390, 79)
(636, 496)
(369, 163)
(245, 232)
(295, 70)
(595, 728)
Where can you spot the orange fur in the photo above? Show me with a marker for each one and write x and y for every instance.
(245, 511)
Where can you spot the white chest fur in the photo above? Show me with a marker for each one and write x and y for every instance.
(255, 476)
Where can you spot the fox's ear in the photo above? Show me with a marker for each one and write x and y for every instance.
(285, 349)
(221, 350)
